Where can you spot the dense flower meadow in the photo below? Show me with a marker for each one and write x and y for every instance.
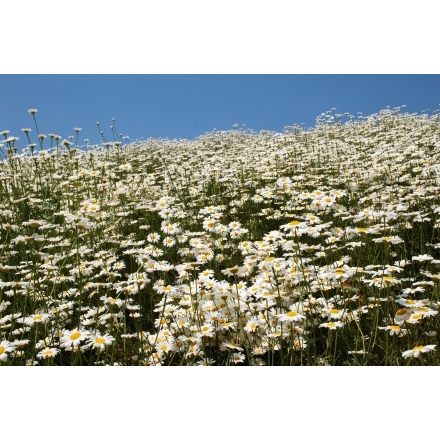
(307, 247)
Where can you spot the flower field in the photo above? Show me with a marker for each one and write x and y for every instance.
(307, 247)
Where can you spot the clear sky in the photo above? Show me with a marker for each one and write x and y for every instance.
(186, 106)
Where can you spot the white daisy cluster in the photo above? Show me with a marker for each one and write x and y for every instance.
(307, 247)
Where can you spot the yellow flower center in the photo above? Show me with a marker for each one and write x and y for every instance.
(75, 335)
(395, 328)
(334, 311)
(291, 313)
(100, 340)
(37, 317)
(2, 349)
(418, 348)
(401, 312)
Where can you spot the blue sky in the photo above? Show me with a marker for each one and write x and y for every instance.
(185, 106)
